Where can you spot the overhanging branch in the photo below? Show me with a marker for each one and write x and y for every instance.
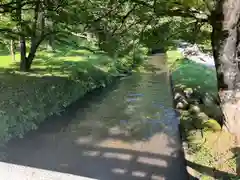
(181, 12)
(124, 18)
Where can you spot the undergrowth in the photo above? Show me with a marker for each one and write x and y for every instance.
(57, 78)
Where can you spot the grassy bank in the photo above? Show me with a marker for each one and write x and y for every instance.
(195, 88)
(56, 80)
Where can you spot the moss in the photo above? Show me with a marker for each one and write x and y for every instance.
(212, 124)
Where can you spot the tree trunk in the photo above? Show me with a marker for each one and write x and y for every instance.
(225, 43)
(22, 40)
(32, 52)
(51, 42)
(12, 49)
(225, 35)
(37, 37)
(24, 60)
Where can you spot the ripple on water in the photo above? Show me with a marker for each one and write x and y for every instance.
(135, 94)
(132, 99)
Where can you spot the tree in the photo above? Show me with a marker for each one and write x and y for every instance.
(12, 49)
(33, 23)
(37, 20)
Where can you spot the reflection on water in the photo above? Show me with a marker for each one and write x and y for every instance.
(140, 107)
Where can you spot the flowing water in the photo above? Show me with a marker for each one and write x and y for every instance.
(130, 131)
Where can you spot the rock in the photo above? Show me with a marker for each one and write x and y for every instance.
(203, 117)
(187, 125)
(193, 101)
(199, 119)
(210, 107)
(185, 115)
(178, 89)
(188, 92)
(194, 109)
(183, 100)
(178, 96)
(195, 137)
(182, 104)
(197, 123)
(187, 120)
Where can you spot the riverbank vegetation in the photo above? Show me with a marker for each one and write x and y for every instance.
(56, 80)
(48, 59)
(52, 52)
(195, 95)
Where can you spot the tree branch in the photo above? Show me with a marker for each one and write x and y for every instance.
(124, 18)
(11, 6)
(144, 27)
(184, 12)
(190, 13)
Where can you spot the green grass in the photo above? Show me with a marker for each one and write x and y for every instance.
(55, 63)
(189, 74)
(55, 81)
(173, 56)
(193, 75)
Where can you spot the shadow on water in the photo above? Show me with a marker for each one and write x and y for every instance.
(58, 122)
(126, 131)
(114, 134)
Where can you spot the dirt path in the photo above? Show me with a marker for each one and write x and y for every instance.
(129, 132)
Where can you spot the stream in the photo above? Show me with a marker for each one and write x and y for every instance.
(126, 131)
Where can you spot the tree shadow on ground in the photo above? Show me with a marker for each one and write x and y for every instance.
(60, 67)
(236, 152)
(216, 174)
(102, 163)
(49, 59)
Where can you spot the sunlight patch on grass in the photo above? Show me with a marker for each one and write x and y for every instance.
(59, 63)
(6, 61)
(72, 58)
(172, 56)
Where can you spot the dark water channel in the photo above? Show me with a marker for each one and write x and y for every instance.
(129, 131)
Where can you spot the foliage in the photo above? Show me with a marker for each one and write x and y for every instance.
(75, 46)
(56, 80)
(116, 27)
(198, 84)
(208, 146)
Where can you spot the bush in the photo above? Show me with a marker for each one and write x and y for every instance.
(27, 99)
